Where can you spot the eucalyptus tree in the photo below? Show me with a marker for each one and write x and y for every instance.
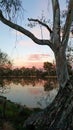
(56, 43)
(60, 116)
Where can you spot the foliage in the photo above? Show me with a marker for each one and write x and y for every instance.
(4, 60)
(14, 114)
(10, 7)
(55, 115)
(50, 68)
(56, 42)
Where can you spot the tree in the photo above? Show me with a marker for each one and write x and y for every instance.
(57, 44)
(4, 60)
(5, 63)
(69, 53)
(50, 68)
(59, 114)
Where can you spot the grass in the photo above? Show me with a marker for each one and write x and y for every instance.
(15, 116)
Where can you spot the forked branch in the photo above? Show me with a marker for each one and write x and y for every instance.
(42, 23)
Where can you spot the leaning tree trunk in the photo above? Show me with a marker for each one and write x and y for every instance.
(59, 114)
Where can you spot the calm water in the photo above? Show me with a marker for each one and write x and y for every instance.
(32, 93)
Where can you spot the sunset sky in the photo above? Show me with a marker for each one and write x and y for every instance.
(22, 50)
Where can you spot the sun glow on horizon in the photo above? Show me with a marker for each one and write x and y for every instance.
(31, 60)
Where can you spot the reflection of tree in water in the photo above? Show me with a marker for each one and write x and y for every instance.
(6, 82)
(46, 99)
(4, 88)
(51, 89)
(22, 81)
(50, 84)
(29, 81)
(46, 96)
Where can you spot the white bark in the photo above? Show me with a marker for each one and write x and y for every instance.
(60, 47)
(56, 22)
(68, 23)
(61, 67)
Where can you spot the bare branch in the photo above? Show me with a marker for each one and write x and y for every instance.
(25, 32)
(68, 23)
(56, 20)
(38, 21)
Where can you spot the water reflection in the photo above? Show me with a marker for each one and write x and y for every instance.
(31, 92)
(51, 88)
(50, 84)
(4, 88)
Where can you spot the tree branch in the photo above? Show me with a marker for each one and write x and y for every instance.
(68, 23)
(56, 20)
(45, 25)
(25, 32)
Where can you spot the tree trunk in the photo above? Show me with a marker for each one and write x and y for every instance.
(57, 116)
(61, 67)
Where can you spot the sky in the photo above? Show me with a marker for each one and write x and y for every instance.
(21, 49)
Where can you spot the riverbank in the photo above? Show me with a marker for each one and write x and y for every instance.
(12, 115)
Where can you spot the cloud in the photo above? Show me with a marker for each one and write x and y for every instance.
(28, 64)
(38, 57)
(31, 60)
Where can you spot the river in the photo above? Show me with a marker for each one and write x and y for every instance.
(30, 92)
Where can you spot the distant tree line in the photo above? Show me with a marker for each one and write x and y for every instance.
(6, 69)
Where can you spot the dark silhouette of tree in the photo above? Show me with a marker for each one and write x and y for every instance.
(50, 68)
(5, 63)
(4, 60)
